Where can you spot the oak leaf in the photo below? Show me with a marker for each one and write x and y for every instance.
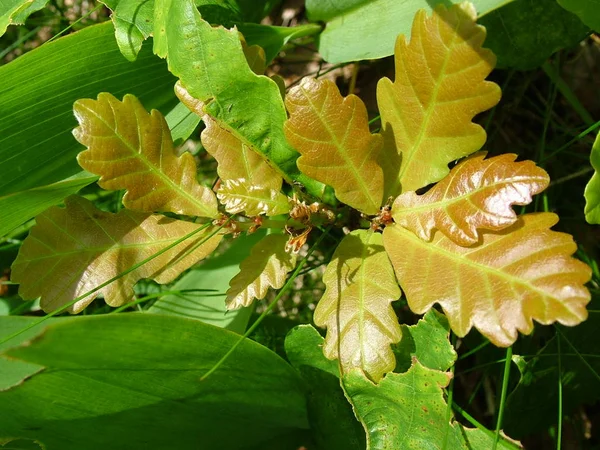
(239, 195)
(477, 194)
(332, 135)
(512, 277)
(267, 266)
(75, 249)
(133, 150)
(426, 112)
(356, 306)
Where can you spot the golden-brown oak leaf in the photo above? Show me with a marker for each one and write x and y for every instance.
(477, 194)
(238, 196)
(267, 266)
(332, 135)
(73, 250)
(440, 85)
(133, 150)
(512, 277)
(356, 306)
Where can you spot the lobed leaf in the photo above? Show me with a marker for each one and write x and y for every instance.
(356, 306)
(133, 150)
(332, 135)
(239, 195)
(592, 190)
(440, 85)
(267, 266)
(17, 11)
(500, 286)
(75, 249)
(477, 194)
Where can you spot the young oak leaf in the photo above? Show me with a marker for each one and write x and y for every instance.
(131, 149)
(477, 194)
(73, 250)
(332, 135)
(592, 190)
(239, 195)
(356, 306)
(267, 266)
(500, 286)
(426, 112)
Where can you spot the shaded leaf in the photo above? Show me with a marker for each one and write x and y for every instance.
(428, 341)
(407, 411)
(440, 85)
(371, 32)
(592, 190)
(267, 266)
(131, 149)
(182, 122)
(211, 65)
(75, 249)
(588, 11)
(356, 306)
(477, 194)
(133, 24)
(239, 195)
(332, 135)
(331, 419)
(136, 377)
(523, 34)
(513, 276)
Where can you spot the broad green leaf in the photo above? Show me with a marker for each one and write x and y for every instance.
(239, 195)
(132, 150)
(371, 25)
(440, 85)
(428, 341)
(407, 411)
(16, 11)
(75, 249)
(592, 190)
(588, 11)
(356, 306)
(133, 24)
(211, 65)
(499, 286)
(132, 381)
(523, 34)
(332, 421)
(477, 194)
(182, 122)
(19, 207)
(214, 273)
(332, 135)
(267, 266)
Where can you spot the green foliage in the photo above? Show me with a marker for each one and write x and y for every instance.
(592, 190)
(16, 11)
(587, 10)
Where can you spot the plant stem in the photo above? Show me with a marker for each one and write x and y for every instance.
(560, 395)
(572, 141)
(89, 13)
(503, 395)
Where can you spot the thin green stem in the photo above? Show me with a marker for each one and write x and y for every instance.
(581, 135)
(560, 395)
(469, 418)
(15, 44)
(503, 395)
(475, 350)
(85, 16)
(269, 308)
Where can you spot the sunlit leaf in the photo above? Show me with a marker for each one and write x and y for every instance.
(267, 266)
(16, 11)
(477, 194)
(131, 149)
(356, 306)
(426, 112)
(75, 249)
(239, 195)
(211, 65)
(592, 190)
(332, 135)
(407, 411)
(499, 286)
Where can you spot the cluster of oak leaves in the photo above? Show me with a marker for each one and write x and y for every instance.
(459, 245)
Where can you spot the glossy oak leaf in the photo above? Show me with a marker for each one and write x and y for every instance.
(500, 286)
(267, 266)
(332, 135)
(239, 195)
(426, 112)
(356, 306)
(131, 149)
(592, 190)
(477, 194)
(73, 250)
